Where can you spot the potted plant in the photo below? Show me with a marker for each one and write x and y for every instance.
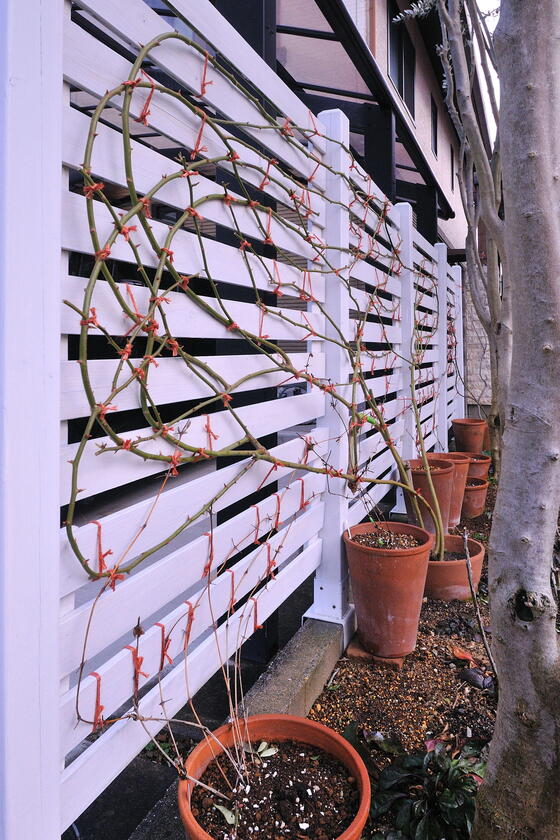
(266, 775)
(388, 562)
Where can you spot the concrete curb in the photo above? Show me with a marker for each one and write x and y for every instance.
(294, 679)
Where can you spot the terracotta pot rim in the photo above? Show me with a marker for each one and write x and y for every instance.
(481, 483)
(478, 546)
(362, 777)
(448, 456)
(397, 528)
(445, 466)
(469, 421)
(477, 456)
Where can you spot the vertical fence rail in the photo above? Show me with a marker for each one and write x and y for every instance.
(406, 349)
(331, 580)
(30, 99)
(441, 381)
(457, 274)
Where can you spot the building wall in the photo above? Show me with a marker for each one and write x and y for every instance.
(371, 17)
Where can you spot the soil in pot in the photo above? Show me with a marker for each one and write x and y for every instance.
(297, 791)
(388, 585)
(479, 465)
(475, 497)
(383, 538)
(442, 474)
(448, 579)
(461, 463)
(469, 434)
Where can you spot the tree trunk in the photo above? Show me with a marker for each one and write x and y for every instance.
(521, 796)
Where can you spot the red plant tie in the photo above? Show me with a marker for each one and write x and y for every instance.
(211, 435)
(173, 345)
(98, 721)
(168, 253)
(101, 555)
(126, 351)
(256, 540)
(266, 178)
(312, 176)
(302, 503)
(311, 330)
(194, 214)
(146, 207)
(165, 642)
(277, 290)
(103, 409)
(188, 628)
(226, 399)
(256, 625)
(174, 462)
(91, 321)
(198, 148)
(204, 83)
(114, 577)
(137, 664)
(232, 327)
(91, 189)
(102, 254)
(263, 311)
(286, 127)
(126, 444)
(315, 129)
(210, 561)
(126, 230)
(145, 113)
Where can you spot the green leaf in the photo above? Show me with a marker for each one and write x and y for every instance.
(267, 753)
(404, 816)
(228, 815)
(429, 828)
(383, 802)
(262, 746)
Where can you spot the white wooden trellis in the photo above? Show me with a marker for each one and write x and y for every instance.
(43, 593)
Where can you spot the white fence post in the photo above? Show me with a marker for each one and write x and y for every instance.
(408, 300)
(331, 580)
(30, 268)
(441, 375)
(460, 408)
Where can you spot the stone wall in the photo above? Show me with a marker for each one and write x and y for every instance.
(477, 358)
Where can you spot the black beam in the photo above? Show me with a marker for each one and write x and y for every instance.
(424, 200)
(306, 33)
(380, 148)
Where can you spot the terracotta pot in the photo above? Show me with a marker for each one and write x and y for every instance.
(461, 463)
(479, 466)
(448, 579)
(388, 585)
(475, 498)
(469, 434)
(276, 728)
(442, 479)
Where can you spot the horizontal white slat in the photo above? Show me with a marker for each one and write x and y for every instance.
(225, 262)
(175, 506)
(116, 613)
(372, 303)
(186, 65)
(367, 273)
(421, 242)
(149, 166)
(97, 766)
(91, 66)
(260, 418)
(173, 381)
(375, 332)
(370, 446)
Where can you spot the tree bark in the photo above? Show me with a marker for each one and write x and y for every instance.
(521, 796)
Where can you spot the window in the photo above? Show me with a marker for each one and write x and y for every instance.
(452, 157)
(434, 127)
(402, 58)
